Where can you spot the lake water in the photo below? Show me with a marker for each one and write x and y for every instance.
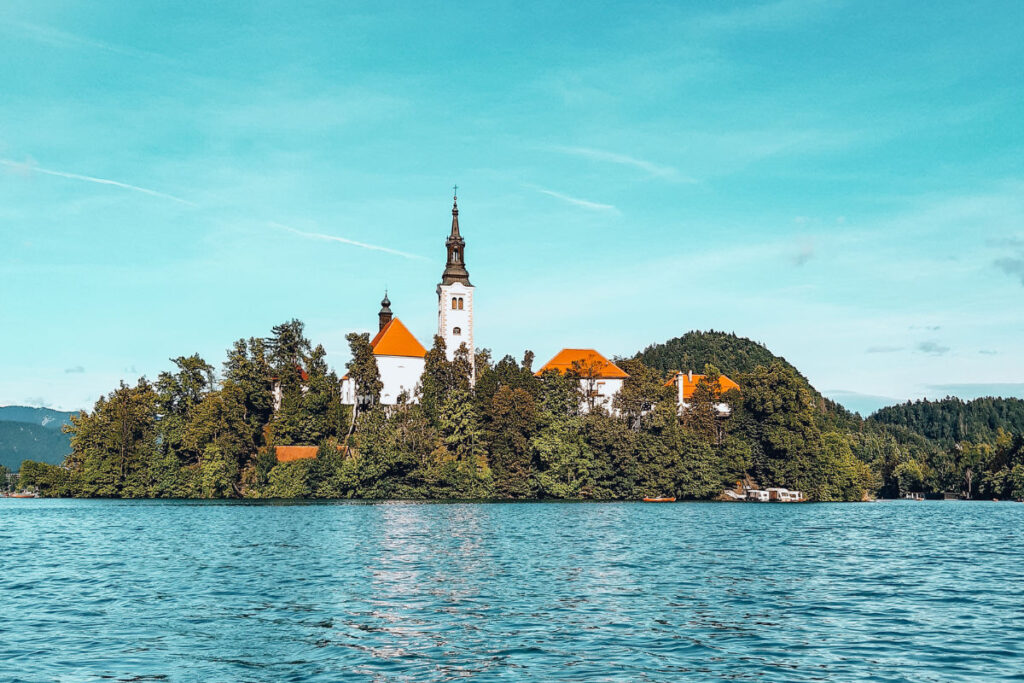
(182, 591)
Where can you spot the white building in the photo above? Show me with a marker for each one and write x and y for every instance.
(686, 382)
(600, 379)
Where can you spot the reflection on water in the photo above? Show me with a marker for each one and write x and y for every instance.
(101, 590)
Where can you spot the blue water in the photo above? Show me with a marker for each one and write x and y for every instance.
(120, 590)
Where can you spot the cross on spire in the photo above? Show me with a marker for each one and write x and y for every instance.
(456, 189)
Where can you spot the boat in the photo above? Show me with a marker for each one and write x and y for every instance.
(660, 500)
(23, 494)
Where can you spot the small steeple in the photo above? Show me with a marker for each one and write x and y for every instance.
(385, 311)
(455, 269)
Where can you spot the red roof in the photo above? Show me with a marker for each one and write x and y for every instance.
(690, 384)
(582, 360)
(290, 453)
(395, 339)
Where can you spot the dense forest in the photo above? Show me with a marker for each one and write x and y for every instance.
(197, 433)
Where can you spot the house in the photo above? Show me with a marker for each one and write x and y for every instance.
(600, 379)
(686, 382)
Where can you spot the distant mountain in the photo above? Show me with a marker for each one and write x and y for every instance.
(952, 419)
(32, 434)
(44, 417)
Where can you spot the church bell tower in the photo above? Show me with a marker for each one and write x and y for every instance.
(455, 295)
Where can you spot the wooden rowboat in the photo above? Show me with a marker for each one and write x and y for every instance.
(659, 500)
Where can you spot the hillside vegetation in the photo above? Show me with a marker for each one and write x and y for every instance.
(951, 419)
(510, 435)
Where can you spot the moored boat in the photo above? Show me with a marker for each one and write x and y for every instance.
(665, 499)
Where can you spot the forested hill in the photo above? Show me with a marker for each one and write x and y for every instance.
(952, 420)
(733, 356)
(730, 354)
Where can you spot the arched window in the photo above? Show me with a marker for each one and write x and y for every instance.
(455, 303)
(457, 331)
(460, 303)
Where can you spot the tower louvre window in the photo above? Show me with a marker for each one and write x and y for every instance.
(457, 331)
(460, 303)
(455, 303)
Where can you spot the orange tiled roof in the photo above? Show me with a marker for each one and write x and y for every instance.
(396, 340)
(689, 386)
(290, 453)
(564, 359)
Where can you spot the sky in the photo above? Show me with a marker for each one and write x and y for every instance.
(840, 181)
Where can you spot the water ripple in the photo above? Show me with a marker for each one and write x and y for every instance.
(182, 591)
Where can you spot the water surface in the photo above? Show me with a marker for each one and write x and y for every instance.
(183, 591)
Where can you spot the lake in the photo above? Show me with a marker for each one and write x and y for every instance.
(235, 591)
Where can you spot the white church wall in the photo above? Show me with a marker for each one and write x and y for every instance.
(398, 374)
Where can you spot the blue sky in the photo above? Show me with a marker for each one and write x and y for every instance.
(842, 181)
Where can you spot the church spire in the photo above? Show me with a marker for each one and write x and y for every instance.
(384, 316)
(455, 269)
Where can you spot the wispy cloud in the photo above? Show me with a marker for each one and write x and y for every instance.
(988, 352)
(344, 240)
(652, 169)
(976, 390)
(805, 254)
(55, 37)
(884, 349)
(585, 203)
(29, 167)
(75, 370)
(932, 347)
(1012, 266)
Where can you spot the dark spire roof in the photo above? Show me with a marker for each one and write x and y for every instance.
(384, 317)
(455, 268)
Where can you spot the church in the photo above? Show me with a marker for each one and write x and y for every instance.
(400, 356)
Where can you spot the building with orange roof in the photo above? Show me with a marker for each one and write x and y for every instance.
(686, 382)
(292, 453)
(400, 359)
(600, 379)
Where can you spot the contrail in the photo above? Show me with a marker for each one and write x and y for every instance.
(345, 240)
(578, 202)
(654, 170)
(90, 179)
